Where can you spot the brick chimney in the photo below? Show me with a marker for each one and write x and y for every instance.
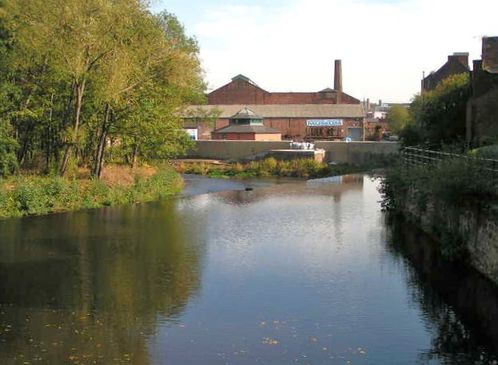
(338, 76)
(338, 80)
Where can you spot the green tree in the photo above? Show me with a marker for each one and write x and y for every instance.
(441, 114)
(398, 118)
(77, 74)
(8, 146)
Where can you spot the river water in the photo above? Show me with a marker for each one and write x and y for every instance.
(288, 273)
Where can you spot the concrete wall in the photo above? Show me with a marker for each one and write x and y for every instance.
(342, 152)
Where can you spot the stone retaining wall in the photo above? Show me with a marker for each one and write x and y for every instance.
(475, 228)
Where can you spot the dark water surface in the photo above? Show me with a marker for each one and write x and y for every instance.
(294, 273)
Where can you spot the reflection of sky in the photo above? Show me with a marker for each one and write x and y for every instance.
(293, 267)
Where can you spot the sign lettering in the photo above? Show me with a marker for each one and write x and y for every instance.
(324, 122)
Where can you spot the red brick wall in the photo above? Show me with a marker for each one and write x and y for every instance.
(238, 92)
(295, 128)
(242, 92)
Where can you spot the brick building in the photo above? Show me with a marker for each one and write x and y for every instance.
(457, 63)
(482, 111)
(330, 114)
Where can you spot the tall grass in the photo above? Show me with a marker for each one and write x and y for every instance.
(37, 195)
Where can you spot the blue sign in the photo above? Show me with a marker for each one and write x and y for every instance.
(324, 122)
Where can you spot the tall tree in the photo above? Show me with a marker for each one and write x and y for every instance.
(84, 72)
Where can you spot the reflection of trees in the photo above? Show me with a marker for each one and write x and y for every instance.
(94, 293)
(459, 302)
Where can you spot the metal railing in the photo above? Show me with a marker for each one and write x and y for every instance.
(416, 156)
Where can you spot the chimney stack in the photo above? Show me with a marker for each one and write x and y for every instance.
(338, 76)
(462, 57)
(338, 81)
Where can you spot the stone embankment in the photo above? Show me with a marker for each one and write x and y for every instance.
(470, 230)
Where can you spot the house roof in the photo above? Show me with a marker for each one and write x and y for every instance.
(490, 54)
(244, 78)
(285, 110)
(246, 113)
(258, 129)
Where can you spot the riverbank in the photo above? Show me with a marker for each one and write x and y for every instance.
(302, 168)
(456, 202)
(26, 195)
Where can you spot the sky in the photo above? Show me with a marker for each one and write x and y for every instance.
(385, 45)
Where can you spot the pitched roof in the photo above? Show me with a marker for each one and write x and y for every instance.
(244, 78)
(286, 110)
(258, 129)
(245, 113)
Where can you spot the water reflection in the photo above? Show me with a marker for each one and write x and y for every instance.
(91, 286)
(456, 300)
(301, 272)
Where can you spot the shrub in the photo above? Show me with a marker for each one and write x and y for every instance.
(301, 168)
(8, 146)
(457, 181)
(490, 152)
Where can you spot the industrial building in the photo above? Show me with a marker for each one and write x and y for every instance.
(330, 114)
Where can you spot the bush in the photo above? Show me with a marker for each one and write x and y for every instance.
(490, 152)
(301, 168)
(8, 147)
(457, 181)
(411, 136)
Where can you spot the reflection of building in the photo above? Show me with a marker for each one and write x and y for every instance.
(457, 63)
(326, 187)
(246, 125)
(328, 114)
(482, 117)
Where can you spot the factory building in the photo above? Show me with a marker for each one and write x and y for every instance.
(330, 114)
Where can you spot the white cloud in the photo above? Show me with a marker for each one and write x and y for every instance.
(384, 46)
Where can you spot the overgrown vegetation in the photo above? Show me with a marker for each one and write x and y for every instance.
(301, 168)
(456, 181)
(80, 76)
(447, 189)
(435, 117)
(35, 195)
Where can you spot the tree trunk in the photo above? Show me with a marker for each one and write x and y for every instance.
(134, 157)
(79, 91)
(48, 136)
(99, 156)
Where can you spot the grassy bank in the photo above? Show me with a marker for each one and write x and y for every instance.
(36, 195)
(304, 168)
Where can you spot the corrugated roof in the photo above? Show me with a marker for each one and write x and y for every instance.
(286, 110)
(261, 129)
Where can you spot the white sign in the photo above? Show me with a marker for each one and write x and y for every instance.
(324, 122)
